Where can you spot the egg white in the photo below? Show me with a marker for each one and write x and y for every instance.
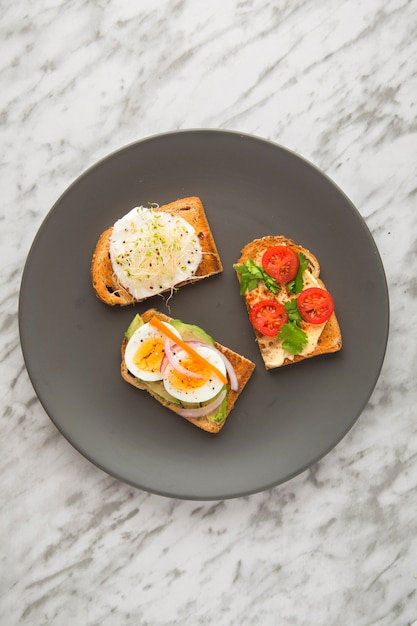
(142, 334)
(152, 251)
(196, 394)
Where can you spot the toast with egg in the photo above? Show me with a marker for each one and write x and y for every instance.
(112, 282)
(242, 368)
(322, 338)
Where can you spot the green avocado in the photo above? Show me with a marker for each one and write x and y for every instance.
(190, 332)
(157, 387)
(219, 415)
(134, 325)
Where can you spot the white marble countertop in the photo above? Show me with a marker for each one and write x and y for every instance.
(333, 81)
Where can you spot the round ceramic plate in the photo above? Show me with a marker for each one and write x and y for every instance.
(285, 419)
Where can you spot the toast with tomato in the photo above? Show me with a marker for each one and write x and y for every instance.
(154, 250)
(183, 368)
(289, 307)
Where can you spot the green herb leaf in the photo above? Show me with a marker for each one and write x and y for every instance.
(296, 286)
(292, 310)
(251, 274)
(293, 337)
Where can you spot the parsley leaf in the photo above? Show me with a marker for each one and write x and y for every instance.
(296, 286)
(293, 337)
(292, 310)
(251, 274)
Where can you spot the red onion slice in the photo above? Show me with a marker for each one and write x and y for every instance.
(204, 410)
(164, 363)
(234, 383)
(172, 359)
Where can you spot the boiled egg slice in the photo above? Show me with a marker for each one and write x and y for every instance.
(187, 389)
(145, 351)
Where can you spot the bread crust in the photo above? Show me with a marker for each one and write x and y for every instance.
(107, 287)
(330, 339)
(242, 366)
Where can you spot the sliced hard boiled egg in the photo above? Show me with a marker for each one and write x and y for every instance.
(189, 389)
(145, 351)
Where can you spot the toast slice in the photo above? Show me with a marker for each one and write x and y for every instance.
(323, 339)
(243, 368)
(105, 282)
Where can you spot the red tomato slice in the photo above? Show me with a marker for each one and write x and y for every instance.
(315, 305)
(268, 316)
(281, 263)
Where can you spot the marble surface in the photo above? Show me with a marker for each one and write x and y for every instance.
(333, 81)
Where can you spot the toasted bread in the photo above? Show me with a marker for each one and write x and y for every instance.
(327, 337)
(104, 280)
(243, 368)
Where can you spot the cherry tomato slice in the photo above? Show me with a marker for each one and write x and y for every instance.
(280, 262)
(268, 316)
(315, 305)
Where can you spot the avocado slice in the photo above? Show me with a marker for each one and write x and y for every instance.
(136, 323)
(191, 332)
(157, 387)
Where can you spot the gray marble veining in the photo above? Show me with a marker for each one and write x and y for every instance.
(336, 82)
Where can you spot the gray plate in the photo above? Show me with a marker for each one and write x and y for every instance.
(286, 419)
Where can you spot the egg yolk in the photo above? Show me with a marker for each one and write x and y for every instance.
(181, 381)
(149, 355)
